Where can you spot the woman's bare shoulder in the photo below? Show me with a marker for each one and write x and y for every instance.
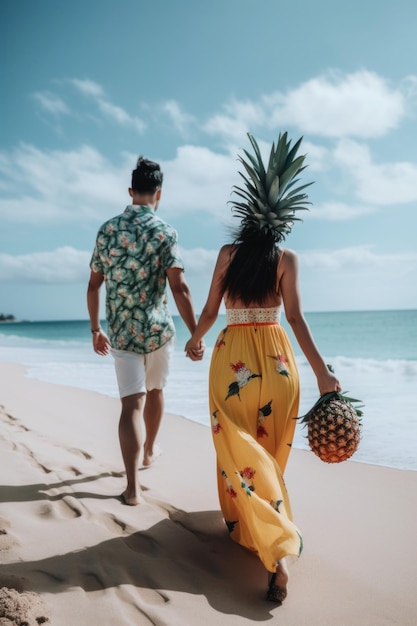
(227, 248)
(287, 257)
(225, 253)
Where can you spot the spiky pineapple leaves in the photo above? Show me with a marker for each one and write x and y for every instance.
(358, 409)
(270, 199)
(342, 395)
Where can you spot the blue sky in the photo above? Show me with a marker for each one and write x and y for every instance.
(88, 86)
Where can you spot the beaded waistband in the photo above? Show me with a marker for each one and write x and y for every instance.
(270, 315)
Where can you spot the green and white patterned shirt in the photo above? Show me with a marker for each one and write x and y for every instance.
(133, 251)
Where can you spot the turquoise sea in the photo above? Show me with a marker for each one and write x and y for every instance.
(374, 354)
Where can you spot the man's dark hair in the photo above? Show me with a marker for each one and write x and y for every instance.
(147, 177)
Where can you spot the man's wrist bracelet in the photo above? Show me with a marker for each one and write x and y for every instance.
(95, 330)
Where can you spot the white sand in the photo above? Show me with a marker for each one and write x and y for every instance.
(72, 554)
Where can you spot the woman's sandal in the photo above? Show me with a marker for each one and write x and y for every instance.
(275, 593)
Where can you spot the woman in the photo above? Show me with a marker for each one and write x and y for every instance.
(253, 381)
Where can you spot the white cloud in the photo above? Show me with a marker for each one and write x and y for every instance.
(383, 184)
(120, 116)
(59, 186)
(238, 119)
(340, 211)
(63, 265)
(51, 103)
(180, 119)
(83, 185)
(116, 113)
(198, 179)
(318, 158)
(88, 88)
(358, 258)
(333, 105)
(356, 278)
(199, 261)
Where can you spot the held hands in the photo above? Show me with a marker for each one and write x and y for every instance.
(195, 350)
(101, 343)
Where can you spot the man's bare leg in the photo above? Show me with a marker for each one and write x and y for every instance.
(154, 409)
(130, 441)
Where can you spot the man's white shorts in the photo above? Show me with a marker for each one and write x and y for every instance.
(138, 373)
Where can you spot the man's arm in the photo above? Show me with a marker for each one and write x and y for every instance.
(183, 300)
(182, 297)
(211, 308)
(101, 342)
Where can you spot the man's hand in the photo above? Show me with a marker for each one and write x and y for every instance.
(101, 343)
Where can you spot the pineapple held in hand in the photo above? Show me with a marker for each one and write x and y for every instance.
(334, 427)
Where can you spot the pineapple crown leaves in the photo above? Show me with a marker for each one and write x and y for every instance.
(326, 398)
(270, 199)
(331, 395)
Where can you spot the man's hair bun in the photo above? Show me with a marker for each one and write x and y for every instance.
(147, 177)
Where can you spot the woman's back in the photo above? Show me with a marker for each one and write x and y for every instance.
(272, 299)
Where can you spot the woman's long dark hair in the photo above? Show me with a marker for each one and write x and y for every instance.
(252, 274)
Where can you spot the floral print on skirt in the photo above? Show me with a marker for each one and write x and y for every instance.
(254, 398)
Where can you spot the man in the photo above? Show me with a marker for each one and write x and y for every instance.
(135, 253)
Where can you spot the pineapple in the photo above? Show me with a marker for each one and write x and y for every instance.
(271, 199)
(334, 427)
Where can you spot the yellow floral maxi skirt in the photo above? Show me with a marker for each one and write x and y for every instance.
(254, 398)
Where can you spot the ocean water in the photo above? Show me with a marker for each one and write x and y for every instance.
(374, 354)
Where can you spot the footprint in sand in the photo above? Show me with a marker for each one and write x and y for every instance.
(7, 539)
(67, 507)
(142, 597)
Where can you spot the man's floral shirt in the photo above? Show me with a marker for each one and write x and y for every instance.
(133, 251)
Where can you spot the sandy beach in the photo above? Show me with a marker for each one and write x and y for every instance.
(72, 554)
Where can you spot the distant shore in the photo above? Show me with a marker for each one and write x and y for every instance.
(7, 318)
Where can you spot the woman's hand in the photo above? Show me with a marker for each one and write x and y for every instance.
(195, 350)
(328, 382)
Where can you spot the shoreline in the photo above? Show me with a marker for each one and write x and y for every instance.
(378, 367)
(66, 537)
(405, 463)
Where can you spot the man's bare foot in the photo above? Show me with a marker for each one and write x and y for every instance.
(132, 498)
(277, 590)
(149, 457)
